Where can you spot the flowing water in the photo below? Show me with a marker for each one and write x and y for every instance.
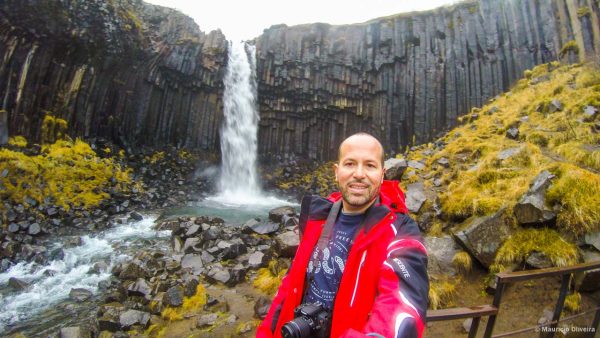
(46, 300)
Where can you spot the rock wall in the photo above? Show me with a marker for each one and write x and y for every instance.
(141, 75)
(124, 70)
(405, 78)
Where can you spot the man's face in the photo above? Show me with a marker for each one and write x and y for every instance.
(359, 172)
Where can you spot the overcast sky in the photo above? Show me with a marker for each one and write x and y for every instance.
(246, 19)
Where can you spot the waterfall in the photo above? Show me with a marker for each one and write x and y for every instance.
(239, 181)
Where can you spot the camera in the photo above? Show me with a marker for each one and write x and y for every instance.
(310, 320)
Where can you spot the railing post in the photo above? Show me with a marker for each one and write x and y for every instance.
(596, 320)
(474, 327)
(564, 285)
(489, 328)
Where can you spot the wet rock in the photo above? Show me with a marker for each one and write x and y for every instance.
(18, 283)
(256, 260)
(139, 288)
(395, 168)
(538, 260)
(234, 250)
(4, 264)
(74, 332)
(193, 230)
(484, 236)
(276, 215)
(80, 295)
(207, 257)
(100, 267)
(207, 320)
(13, 227)
(262, 228)
(531, 208)
(593, 239)
(173, 296)
(190, 287)
(193, 262)
(133, 317)
(133, 271)
(238, 275)
(218, 274)
(415, 196)
(209, 235)
(289, 221)
(110, 318)
(177, 244)
(136, 216)
(191, 245)
(261, 307)
(57, 254)
(441, 251)
(288, 243)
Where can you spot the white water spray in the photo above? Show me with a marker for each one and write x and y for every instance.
(238, 137)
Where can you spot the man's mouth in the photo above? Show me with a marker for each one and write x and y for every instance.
(358, 188)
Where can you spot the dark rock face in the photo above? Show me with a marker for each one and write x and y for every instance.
(126, 71)
(404, 75)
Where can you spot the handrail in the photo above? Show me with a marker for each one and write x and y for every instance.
(504, 278)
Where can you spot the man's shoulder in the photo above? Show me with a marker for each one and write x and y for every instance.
(406, 226)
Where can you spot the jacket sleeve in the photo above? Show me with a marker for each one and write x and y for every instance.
(401, 304)
(266, 328)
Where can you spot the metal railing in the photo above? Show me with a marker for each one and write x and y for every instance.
(503, 279)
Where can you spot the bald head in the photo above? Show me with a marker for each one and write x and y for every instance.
(362, 138)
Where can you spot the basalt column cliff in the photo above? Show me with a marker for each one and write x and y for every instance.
(128, 71)
(407, 75)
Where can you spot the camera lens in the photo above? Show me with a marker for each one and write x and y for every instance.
(300, 327)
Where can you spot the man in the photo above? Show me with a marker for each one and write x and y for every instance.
(368, 267)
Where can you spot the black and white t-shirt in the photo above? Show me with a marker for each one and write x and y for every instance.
(329, 268)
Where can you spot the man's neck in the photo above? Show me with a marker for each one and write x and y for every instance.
(348, 210)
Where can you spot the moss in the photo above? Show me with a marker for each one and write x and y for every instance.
(583, 11)
(156, 157)
(589, 77)
(462, 261)
(190, 304)
(538, 139)
(53, 129)
(578, 153)
(573, 302)
(67, 174)
(520, 245)
(441, 291)
(18, 141)
(269, 279)
(576, 191)
(569, 47)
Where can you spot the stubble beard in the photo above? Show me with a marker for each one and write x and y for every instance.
(361, 200)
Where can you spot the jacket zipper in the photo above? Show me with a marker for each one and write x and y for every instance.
(362, 260)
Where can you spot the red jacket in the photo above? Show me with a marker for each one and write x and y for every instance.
(384, 287)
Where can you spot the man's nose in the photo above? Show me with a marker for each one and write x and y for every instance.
(359, 172)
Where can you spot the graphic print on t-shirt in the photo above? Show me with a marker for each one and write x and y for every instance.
(327, 272)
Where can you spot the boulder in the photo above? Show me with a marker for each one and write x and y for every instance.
(136, 216)
(190, 286)
(261, 307)
(262, 228)
(34, 229)
(416, 165)
(99, 267)
(18, 283)
(288, 243)
(484, 236)
(13, 228)
(593, 239)
(193, 230)
(110, 318)
(531, 208)
(173, 296)
(191, 245)
(440, 252)
(80, 295)
(193, 262)
(276, 215)
(538, 260)
(554, 106)
(139, 288)
(133, 317)
(512, 133)
(74, 332)
(234, 250)
(394, 168)
(508, 153)
(590, 113)
(256, 260)
(415, 197)
(443, 162)
(133, 271)
(207, 320)
(218, 274)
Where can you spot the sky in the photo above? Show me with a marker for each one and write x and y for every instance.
(246, 19)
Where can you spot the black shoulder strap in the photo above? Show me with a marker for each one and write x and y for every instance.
(304, 213)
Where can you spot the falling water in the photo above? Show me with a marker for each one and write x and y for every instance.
(238, 137)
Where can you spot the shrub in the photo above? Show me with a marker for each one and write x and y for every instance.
(441, 292)
(269, 279)
(462, 261)
(569, 47)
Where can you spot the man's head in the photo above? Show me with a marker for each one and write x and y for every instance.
(359, 171)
